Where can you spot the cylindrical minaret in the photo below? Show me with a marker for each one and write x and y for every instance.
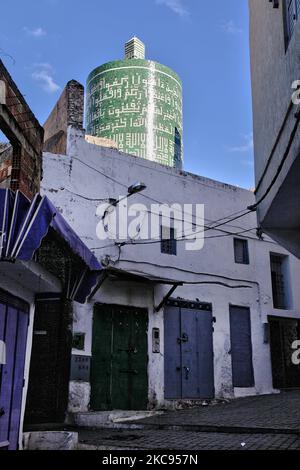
(137, 103)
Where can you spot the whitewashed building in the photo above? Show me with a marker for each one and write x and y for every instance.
(166, 324)
(275, 74)
(33, 285)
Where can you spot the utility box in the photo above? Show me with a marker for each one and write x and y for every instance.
(80, 368)
(156, 341)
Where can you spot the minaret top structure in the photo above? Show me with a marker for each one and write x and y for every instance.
(134, 49)
(136, 104)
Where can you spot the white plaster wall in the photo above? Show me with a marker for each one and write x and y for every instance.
(90, 172)
(274, 67)
(79, 396)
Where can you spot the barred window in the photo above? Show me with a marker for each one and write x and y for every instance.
(279, 281)
(241, 252)
(168, 241)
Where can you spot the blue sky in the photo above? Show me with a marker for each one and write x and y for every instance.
(206, 43)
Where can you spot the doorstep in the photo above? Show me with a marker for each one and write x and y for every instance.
(111, 419)
(50, 440)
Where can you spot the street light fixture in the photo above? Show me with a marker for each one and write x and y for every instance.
(135, 188)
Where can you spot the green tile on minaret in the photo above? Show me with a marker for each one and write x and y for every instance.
(138, 104)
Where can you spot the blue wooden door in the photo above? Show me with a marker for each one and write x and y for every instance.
(189, 371)
(241, 347)
(14, 316)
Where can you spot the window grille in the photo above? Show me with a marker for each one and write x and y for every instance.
(168, 241)
(241, 252)
(278, 282)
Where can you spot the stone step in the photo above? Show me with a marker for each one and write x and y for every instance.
(113, 419)
(208, 428)
(50, 440)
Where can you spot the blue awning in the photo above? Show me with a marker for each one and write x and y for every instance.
(24, 224)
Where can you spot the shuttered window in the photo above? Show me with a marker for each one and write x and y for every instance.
(168, 241)
(241, 252)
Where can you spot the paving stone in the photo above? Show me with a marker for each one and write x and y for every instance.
(111, 439)
(277, 412)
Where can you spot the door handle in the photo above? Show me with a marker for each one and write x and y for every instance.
(129, 371)
(2, 412)
(183, 339)
(187, 372)
(129, 351)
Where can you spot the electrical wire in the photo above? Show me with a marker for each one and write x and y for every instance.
(242, 213)
(149, 242)
(198, 225)
(185, 237)
(85, 197)
(149, 197)
(216, 283)
(153, 242)
(133, 242)
(274, 146)
(223, 220)
(283, 160)
(156, 213)
(197, 283)
(217, 276)
(104, 247)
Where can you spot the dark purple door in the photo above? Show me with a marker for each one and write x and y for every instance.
(189, 370)
(241, 347)
(14, 315)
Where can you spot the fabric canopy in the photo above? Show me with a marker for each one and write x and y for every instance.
(24, 224)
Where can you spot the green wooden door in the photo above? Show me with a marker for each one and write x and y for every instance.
(119, 377)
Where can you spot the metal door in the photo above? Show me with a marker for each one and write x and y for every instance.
(47, 396)
(241, 347)
(283, 333)
(189, 371)
(14, 316)
(119, 377)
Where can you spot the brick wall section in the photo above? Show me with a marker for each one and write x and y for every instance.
(68, 111)
(5, 165)
(21, 167)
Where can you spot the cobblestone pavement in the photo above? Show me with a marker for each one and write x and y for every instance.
(279, 412)
(269, 422)
(109, 439)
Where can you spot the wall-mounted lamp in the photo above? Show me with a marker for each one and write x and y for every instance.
(135, 188)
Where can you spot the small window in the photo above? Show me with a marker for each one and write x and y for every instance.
(168, 241)
(292, 14)
(280, 281)
(78, 341)
(241, 252)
